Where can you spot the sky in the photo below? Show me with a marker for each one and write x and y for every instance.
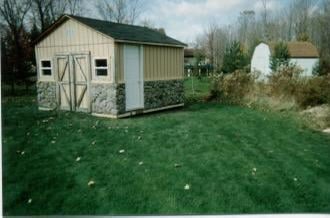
(185, 19)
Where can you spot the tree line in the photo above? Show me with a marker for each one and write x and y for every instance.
(231, 47)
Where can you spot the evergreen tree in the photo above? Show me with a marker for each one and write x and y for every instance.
(280, 56)
(234, 58)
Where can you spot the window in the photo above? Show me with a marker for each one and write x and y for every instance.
(46, 67)
(101, 67)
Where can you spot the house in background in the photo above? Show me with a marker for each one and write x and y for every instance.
(303, 54)
(195, 58)
(108, 69)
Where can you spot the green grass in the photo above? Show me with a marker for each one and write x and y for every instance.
(196, 88)
(217, 147)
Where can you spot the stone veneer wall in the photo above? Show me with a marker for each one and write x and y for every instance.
(46, 94)
(121, 98)
(163, 93)
(108, 98)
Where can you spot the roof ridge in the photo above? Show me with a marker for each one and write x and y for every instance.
(107, 21)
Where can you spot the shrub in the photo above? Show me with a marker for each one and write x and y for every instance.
(322, 68)
(313, 91)
(306, 91)
(232, 88)
(285, 81)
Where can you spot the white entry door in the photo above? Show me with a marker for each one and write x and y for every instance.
(133, 77)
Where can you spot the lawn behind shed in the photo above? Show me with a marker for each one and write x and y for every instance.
(234, 159)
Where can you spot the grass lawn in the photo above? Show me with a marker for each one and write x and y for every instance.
(195, 87)
(235, 160)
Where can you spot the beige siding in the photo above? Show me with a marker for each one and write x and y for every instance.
(159, 62)
(162, 63)
(119, 62)
(74, 37)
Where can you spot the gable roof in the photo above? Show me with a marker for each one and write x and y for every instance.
(117, 31)
(299, 49)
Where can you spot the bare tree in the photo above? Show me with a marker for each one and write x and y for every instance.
(57, 9)
(302, 12)
(120, 11)
(265, 18)
(41, 13)
(13, 14)
(76, 7)
(45, 12)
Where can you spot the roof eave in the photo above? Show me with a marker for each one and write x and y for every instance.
(151, 43)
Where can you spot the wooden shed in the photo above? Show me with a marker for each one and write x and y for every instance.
(108, 69)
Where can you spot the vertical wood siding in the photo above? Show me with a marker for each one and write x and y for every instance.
(74, 37)
(159, 62)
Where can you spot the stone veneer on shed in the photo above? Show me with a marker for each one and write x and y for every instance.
(163, 93)
(46, 92)
(109, 99)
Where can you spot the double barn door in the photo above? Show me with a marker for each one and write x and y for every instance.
(73, 76)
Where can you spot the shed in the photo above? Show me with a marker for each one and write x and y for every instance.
(303, 54)
(108, 69)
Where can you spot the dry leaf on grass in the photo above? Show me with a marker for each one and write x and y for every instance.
(91, 183)
(177, 165)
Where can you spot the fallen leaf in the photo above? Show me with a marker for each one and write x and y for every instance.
(91, 183)
(177, 165)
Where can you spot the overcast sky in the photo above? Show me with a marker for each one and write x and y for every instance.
(185, 19)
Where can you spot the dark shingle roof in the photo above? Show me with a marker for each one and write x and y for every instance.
(121, 32)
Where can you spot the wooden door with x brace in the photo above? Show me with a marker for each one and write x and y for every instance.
(73, 78)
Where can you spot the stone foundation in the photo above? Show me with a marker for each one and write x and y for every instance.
(163, 93)
(46, 94)
(121, 98)
(103, 98)
(110, 99)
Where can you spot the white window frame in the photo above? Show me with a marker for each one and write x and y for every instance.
(100, 77)
(46, 68)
